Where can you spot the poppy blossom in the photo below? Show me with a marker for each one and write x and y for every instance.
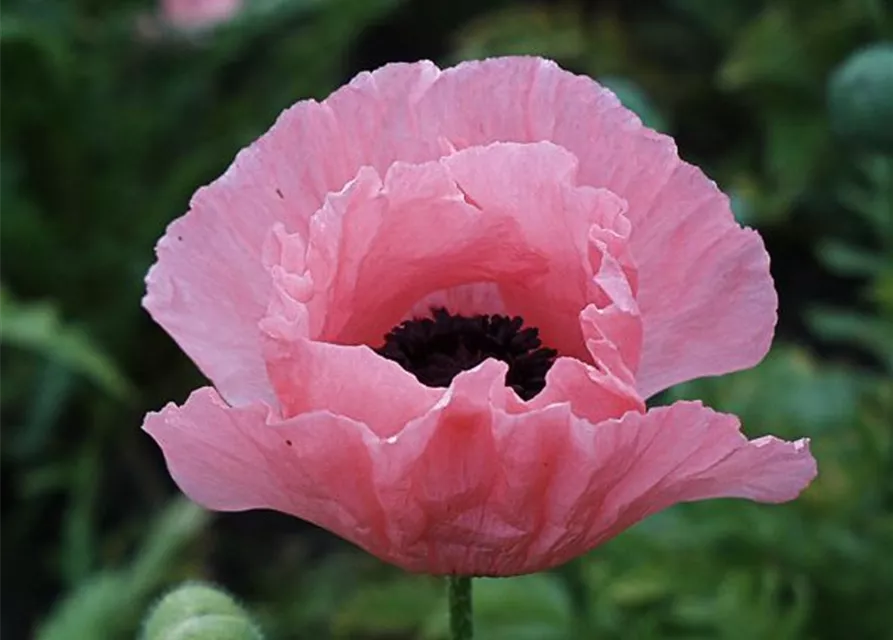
(432, 307)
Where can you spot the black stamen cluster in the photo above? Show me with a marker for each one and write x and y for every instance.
(437, 349)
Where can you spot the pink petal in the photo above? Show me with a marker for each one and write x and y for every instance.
(209, 287)
(349, 381)
(506, 214)
(197, 14)
(317, 466)
(378, 247)
(600, 479)
(643, 463)
(706, 295)
(591, 393)
(536, 185)
(470, 489)
(437, 477)
(467, 300)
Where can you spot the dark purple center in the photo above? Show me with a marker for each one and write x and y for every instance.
(435, 350)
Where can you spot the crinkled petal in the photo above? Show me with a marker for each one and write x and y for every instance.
(316, 466)
(469, 488)
(705, 293)
(438, 479)
(536, 184)
(593, 393)
(379, 246)
(506, 214)
(643, 463)
(472, 489)
(209, 287)
(347, 380)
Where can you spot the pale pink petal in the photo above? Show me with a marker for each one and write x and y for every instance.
(614, 339)
(705, 292)
(349, 381)
(205, 290)
(316, 466)
(706, 295)
(480, 298)
(468, 488)
(198, 14)
(642, 463)
(593, 394)
(210, 287)
(471, 489)
(378, 247)
(506, 214)
(536, 184)
(437, 479)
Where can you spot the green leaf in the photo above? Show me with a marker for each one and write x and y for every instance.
(872, 333)
(849, 260)
(37, 327)
(720, 18)
(101, 607)
(768, 51)
(872, 197)
(180, 523)
(795, 143)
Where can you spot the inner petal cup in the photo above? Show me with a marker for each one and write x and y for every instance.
(509, 214)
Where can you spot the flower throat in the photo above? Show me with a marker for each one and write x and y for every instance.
(435, 350)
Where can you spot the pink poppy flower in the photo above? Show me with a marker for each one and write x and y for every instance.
(432, 307)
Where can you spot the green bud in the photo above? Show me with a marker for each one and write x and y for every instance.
(214, 627)
(196, 611)
(860, 98)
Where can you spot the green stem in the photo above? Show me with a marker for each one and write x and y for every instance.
(461, 624)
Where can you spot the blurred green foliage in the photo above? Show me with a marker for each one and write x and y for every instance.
(106, 133)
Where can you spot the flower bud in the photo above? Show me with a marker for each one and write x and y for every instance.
(860, 98)
(196, 611)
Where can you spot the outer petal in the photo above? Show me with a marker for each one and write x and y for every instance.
(440, 481)
(471, 489)
(705, 293)
(209, 287)
(684, 238)
(683, 453)
(468, 488)
(316, 466)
